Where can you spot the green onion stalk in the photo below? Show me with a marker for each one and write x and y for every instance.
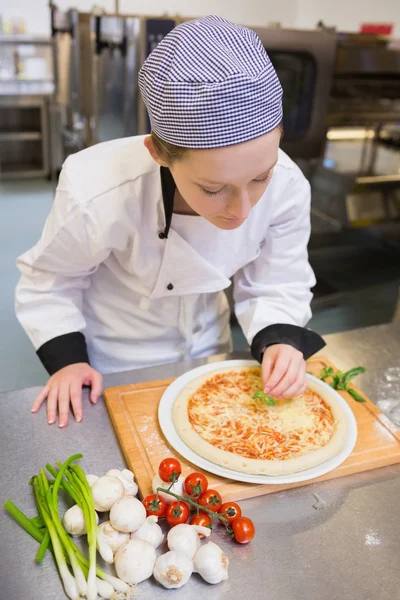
(40, 485)
(79, 478)
(52, 501)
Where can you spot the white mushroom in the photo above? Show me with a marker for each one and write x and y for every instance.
(74, 521)
(106, 491)
(91, 479)
(177, 488)
(185, 538)
(173, 569)
(134, 561)
(211, 563)
(109, 540)
(128, 480)
(127, 515)
(150, 531)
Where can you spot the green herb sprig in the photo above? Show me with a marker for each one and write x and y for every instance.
(341, 380)
(267, 399)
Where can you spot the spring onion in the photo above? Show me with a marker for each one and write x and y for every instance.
(40, 485)
(78, 476)
(43, 547)
(23, 520)
(38, 522)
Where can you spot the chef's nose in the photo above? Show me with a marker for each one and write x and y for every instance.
(240, 205)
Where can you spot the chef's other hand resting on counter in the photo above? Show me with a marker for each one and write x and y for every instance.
(65, 387)
(146, 232)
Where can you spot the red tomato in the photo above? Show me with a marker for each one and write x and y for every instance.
(154, 506)
(210, 499)
(169, 469)
(230, 510)
(195, 484)
(177, 512)
(201, 519)
(243, 529)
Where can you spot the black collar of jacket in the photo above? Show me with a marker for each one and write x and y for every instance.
(168, 192)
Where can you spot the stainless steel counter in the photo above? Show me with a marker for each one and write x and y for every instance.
(349, 549)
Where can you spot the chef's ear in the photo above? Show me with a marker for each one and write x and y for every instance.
(152, 150)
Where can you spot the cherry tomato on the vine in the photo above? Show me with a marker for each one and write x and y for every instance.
(195, 484)
(154, 506)
(169, 469)
(243, 529)
(177, 512)
(210, 499)
(203, 520)
(230, 510)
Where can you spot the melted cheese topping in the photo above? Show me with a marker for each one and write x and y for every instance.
(223, 412)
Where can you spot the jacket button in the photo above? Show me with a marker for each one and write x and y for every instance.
(161, 235)
(170, 286)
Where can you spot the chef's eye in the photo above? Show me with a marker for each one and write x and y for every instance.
(265, 179)
(209, 193)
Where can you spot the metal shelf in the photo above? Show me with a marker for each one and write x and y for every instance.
(22, 38)
(19, 136)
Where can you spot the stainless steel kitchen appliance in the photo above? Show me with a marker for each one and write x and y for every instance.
(366, 83)
(304, 62)
(97, 60)
(96, 63)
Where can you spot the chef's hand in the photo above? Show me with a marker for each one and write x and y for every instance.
(65, 387)
(283, 371)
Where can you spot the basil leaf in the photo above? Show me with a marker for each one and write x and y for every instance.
(326, 372)
(267, 399)
(356, 395)
(335, 382)
(349, 375)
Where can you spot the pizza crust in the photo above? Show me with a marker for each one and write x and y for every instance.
(229, 460)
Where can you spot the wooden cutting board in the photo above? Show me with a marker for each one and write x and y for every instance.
(133, 410)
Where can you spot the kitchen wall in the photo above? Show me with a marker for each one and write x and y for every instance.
(291, 13)
(348, 15)
(247, 12)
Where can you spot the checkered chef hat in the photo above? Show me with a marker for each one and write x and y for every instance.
(210, 83)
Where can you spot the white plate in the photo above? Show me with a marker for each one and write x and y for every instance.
(168, 429)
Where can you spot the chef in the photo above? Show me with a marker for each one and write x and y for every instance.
(145, 233)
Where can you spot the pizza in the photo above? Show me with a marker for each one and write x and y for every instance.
(217, 417)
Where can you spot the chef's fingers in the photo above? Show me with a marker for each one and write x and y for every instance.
(63, 403)
(52, 403)
(97, 386)
(266, 368)
(40, 398)
(297, 387)
(278, 372)
(76, 399)
(294, 368)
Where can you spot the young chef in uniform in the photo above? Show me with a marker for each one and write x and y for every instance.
(146, 232)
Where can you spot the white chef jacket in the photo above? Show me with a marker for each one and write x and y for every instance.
(100, 267)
